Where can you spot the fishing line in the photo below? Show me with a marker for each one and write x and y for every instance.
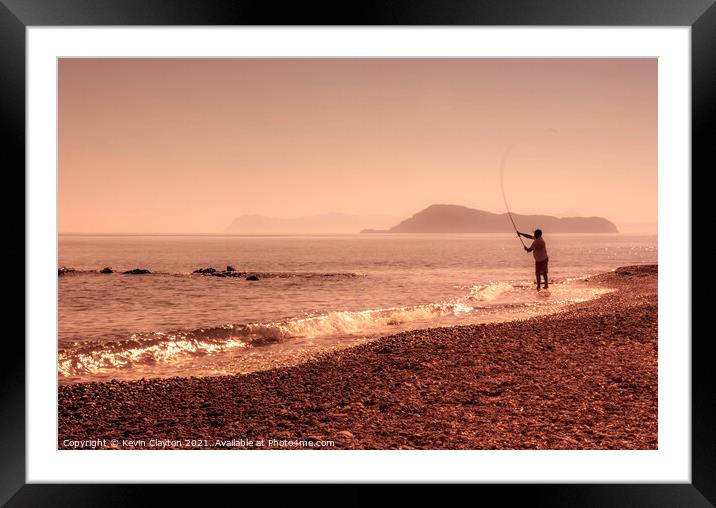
(504, 197)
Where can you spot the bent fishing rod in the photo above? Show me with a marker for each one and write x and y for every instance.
(504, 197)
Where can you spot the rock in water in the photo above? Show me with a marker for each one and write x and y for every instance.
(63, 270)
(252, 277)
(137, 271)
(106, 269)
(230, 269)
(205, 270)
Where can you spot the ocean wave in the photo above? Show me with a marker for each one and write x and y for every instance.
(490, 292)
(93, 357)
(97, 357)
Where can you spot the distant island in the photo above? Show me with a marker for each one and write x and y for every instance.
(461, 219)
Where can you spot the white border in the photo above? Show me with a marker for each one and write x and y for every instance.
(670, 463)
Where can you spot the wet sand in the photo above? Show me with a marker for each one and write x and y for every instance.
(585, 378)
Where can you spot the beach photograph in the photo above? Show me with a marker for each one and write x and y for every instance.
(357, 254)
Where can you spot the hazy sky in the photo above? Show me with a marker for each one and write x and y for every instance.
(186, 145)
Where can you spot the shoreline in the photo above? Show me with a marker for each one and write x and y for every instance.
(583, 378)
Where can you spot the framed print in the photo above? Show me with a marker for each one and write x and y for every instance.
(419, 244)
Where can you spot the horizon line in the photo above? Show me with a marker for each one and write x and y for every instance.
(313, 234)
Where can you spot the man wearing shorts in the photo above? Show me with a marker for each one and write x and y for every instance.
(539, 251)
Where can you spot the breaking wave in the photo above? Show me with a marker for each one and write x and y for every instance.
(91, 357)
(99, 357)
(490, 292)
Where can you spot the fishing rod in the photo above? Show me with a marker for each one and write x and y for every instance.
(504, 197)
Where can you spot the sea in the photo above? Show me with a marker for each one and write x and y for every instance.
(314, 294)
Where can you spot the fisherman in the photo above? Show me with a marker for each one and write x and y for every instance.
(539, 251)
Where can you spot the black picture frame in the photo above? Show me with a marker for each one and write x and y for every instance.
(16, 15)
